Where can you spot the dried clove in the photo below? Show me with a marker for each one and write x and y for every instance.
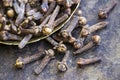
(21, 62)
(4, 35)
(33, 31)
(44, 5)
(49, 55)
(20, 10)
(104, 12)
(95, 41)
(36, 15)
(60, 20)
(58, 37)
(48, 28)
(66, 33)
(62, 65)
(60, 47)
(83, 62)
(86, 30)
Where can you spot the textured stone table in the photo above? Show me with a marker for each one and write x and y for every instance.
(109, 51)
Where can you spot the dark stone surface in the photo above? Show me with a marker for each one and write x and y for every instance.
(109, 51)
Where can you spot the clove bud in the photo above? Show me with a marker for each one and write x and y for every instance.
(62, 66)
(104, 12)
(60, 47)
(95, 41)
(48, 28)
(21, 62)
(86, 30)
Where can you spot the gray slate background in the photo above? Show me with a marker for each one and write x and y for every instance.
(109, 51)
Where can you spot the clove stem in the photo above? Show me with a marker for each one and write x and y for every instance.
(83, 61)
(49, 55)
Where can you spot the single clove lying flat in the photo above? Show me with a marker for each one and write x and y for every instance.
(62, 65)
(60, 47)
(49, 55)
(86, 30)
(83, 62)
(104, 12)
(21, 62)
(96, 39)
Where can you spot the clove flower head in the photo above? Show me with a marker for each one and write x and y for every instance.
(85, 31)
(62, 66)
(61, 47)
(102, 14)
(82, 21)
(10, 13)
(50, 52)
(96, 39)
(46, 30)
(19, 63)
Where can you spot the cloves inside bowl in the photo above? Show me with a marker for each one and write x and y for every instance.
(38, 38)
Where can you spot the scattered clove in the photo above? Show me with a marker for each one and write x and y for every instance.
(104, 12)
(86, 30)
(49, 55)
(48, 28)
(95, 41)
(60, 47)
(83, 62)
(62, 66)
(21, 62)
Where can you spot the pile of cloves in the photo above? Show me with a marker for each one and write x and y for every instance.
(63, 36)
(21, 20)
